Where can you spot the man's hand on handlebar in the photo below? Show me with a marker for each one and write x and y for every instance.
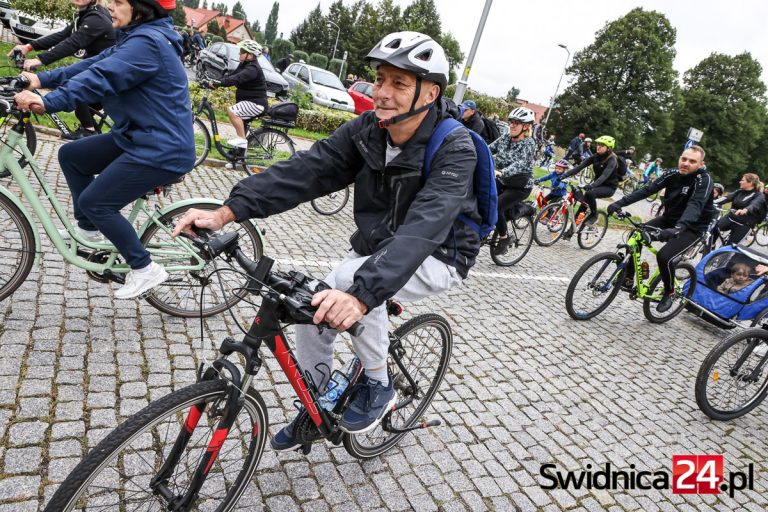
(207, 219)
(34, 81)
(29, 101)
(23, 48)
(337, 308)
(613, 208)
(32, 64)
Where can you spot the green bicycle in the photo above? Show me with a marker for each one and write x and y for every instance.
(189, 268)
(598, 281)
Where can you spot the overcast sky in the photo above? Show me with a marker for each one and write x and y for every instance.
(519, 44)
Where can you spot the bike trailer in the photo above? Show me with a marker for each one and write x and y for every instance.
(745, 303)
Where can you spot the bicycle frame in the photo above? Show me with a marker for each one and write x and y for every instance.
(179, 248)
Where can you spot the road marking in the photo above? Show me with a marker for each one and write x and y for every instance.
(472, 273)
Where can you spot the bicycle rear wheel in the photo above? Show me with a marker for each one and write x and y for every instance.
(423, 345)
(591, 234)
(267, 146)
(116, 473)
(521, 233)
(17, 247)
(594, 286)
(180, 294)
(761, 235)
(733, 379)
(685, 282)
(332, 203)
(550, 223)
(202, 141)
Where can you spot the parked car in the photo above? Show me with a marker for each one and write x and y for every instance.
(221, 57)
(27, 27)
(362, 94)
(5, 13)
(325, 87)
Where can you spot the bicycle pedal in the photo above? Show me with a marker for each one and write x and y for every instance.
(305, 448)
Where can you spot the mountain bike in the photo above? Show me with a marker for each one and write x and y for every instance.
(519, 229)
(586, 176)
(555, 220)
(628, 184)
(267, 144)
(189, 269)
(733, 379)
(198, 448)
(760, 236)
(599, 279)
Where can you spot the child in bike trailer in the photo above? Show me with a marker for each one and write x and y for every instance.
(558, 187)
(739, 279)
(250, 93)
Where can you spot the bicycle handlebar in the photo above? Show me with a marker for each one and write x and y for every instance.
(638, 225)
(19, 59)
(292, 289)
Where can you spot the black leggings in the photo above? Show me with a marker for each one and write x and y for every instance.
(738, 229)
(672, 249)
(507, 201)
(83, 114)
(591, 196)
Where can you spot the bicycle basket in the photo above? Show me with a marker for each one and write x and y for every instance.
(285, 111)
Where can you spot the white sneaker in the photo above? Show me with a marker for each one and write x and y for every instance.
(238, 142)
(760, 350)
(89, 236)
(139, 283)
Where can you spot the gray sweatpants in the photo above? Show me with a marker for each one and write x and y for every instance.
(312, 349)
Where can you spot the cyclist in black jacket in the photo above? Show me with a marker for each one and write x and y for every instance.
(688, 210)
(89, 34)
(748, 207)
(605, 163)
(251, 92)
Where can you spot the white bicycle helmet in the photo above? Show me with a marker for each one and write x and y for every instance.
(250, 46)
(522, 114)
(412, 51)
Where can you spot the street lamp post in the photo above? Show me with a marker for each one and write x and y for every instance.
(552, 101)
(338, 29)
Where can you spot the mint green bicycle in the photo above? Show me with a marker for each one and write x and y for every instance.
(190, 269)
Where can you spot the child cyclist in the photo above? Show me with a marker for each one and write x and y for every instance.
(558, 187)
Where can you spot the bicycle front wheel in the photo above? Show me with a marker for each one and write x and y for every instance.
(332, 203)
(267, 146)
(520, 231)
(116, 474)
(733, 379)
(591, 234)
(685, 282)
(17, 247)
(202, 141)
(423, 346)
(594, 286)
(761, 235)
(180, 294)
(550, 223)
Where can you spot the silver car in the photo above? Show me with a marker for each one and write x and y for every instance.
(325, 87)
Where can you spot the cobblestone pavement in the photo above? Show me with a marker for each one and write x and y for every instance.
(526, 386)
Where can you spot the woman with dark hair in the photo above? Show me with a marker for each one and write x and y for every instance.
(89, 34)
(143, 86)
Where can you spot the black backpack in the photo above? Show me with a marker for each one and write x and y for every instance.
(490, 130)
(621, 167)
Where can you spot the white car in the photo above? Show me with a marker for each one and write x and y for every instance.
(27, 27)
(5, 13)
(325, 87)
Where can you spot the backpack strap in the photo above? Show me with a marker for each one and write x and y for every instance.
(445, 127)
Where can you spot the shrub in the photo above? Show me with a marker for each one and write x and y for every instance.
(318, 60)
(221, 98)
(334, 66)
(488, 105)
(281, 48)
(300, 55)
(321, 119)
(216, 39)
(300, 97)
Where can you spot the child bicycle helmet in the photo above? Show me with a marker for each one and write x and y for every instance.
(562, 163)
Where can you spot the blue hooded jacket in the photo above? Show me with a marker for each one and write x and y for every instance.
(142, 84)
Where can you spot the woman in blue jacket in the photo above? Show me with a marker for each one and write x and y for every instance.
(142, 84)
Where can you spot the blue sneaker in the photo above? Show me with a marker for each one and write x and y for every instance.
(283, 441)
(371, 402)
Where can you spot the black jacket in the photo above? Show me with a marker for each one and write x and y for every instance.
(752, 200)
(687, 198)
(475, 123)
(282, 64)
(91, 31)
(250, 82)
(605, 166)
(401, 219)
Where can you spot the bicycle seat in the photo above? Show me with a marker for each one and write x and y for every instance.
(164, 189)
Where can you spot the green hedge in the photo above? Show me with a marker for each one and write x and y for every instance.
(334, 66)
(300, 55)
(281, 48)
(321, 119)
(318, 60)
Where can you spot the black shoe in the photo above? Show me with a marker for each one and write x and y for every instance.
(666, 302)
(591, 219)
(628, 284)
(78, 134)
(502, 246)
(284, 440)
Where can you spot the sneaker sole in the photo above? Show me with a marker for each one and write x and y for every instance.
(294, 447)
(376, 423)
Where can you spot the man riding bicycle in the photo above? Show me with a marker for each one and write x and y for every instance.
(688, 210)
(606, 165)
(514, 154)
(408, 245)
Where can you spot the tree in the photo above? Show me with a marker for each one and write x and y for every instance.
(453, 53)
(221, 7)
(238, 12)
(178, 16)
(312, 34)
(512, 94)
(47, 9)
(213, 27)
(256, 26)
(205, 4)
(724, 96)
(367, 33)
(624, 82)
(194, 4)
(421, 16)
(390, 18)
(270, 30)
